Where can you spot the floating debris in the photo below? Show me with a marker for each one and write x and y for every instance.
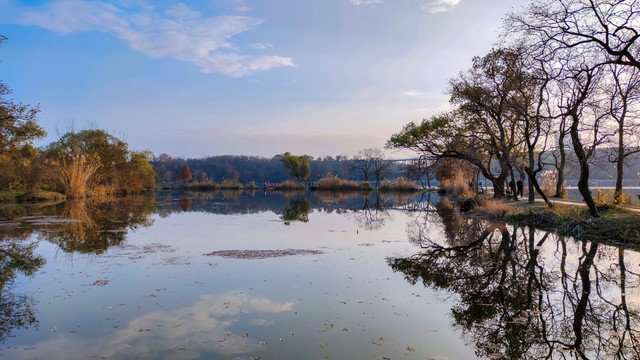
(262, 254)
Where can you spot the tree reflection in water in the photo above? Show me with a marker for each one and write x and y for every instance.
(298, 210)
(93, 225)
(528, 294)
(16, 311)
(374, 212)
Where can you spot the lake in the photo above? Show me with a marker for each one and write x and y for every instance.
(254, 275)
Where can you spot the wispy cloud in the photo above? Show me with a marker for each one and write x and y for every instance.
(439, 6)
(179, 32)
(241, 6)
(365, 2)
(414, 93)
(261, 46)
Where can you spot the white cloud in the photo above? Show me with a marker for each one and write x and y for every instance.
(180, 32)
(365, 2)
(261, 46)
(414, 93)
(208, 326)
(439, 6)
(241, 6)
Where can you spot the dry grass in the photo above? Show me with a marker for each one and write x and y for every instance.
(203, 186)
(332, 182)
(231, 185)
(400, 184)
(459, 188)
(492, 208)
(251, 186)
(290, 185)
(74, 175)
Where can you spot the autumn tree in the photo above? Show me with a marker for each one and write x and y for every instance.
(102, 161)
(185, 174)
(298, 166)
(18, 129)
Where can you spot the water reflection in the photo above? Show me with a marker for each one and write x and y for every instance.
(298, 210)
(292, 205)
(16, 311)
(185, 203)
(94, 226)
(207, 329)
(527, 294)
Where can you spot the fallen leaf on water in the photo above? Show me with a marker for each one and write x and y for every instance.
(245, 335)
(345, 329)
(410, 348)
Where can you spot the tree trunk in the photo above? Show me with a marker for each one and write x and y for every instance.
(560, 166)
(534, 183)
(583, 160)
(514, 189)
(619, 163)
(584, 270)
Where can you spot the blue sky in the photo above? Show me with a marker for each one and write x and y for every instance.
(200, 78)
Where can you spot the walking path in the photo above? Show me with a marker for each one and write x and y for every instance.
(579, 203)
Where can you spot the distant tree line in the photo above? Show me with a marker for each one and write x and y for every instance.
(247, 169)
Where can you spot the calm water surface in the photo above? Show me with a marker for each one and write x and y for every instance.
(232, 275)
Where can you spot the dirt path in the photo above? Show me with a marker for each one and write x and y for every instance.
(578, 203)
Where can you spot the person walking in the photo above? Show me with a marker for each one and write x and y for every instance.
(520, 185)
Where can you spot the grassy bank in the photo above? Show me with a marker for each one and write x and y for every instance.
(615, 225)
(22, 196)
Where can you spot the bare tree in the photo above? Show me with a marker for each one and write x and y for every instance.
(624, 97)
(579, 38)
(368, 162)
(531, 81)
(605, 31)
(421, 170)
(586, 120)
